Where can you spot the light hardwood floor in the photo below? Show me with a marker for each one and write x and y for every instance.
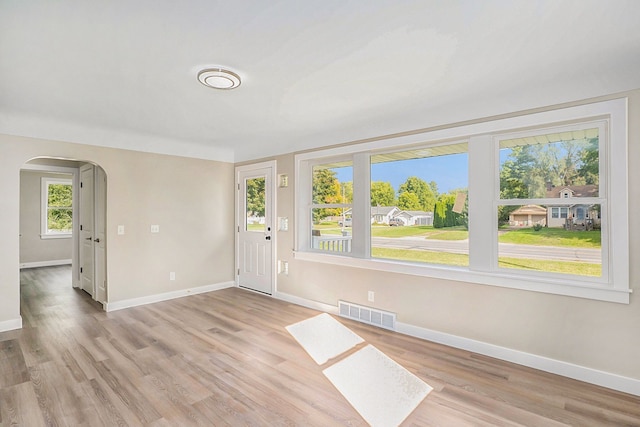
(224, 358)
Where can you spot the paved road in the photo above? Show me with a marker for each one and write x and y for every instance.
(505, 249)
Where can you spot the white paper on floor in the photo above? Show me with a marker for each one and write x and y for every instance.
(381, 390)
(323, 337)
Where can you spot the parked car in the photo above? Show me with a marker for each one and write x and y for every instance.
(396, 222)
(345, 223)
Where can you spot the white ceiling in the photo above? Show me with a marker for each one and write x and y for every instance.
(122, 73)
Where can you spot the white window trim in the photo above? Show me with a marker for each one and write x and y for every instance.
(44, 187)
(482, 236)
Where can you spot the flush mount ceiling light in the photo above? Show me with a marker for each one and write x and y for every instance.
(219, 78)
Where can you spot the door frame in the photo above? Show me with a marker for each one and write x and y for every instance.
(270, 164)
(75, 257)
(84, 216)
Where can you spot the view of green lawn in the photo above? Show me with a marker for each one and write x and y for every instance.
(444, 258)
(566, 267)
(551, 237)
(429, 257)
(381, 230)
(426, 231)
(523, 236)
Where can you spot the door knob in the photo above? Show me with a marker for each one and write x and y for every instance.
(88, 238)
(267, 237)
(97, 240)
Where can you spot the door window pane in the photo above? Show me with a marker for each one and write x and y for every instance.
(254, 204)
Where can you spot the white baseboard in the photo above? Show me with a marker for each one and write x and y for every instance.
(10, 325)
(558, 367)
(570, 370)
(306, 303)
(134, 302)
(51, 263)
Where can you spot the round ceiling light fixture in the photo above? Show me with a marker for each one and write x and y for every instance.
(219, 78)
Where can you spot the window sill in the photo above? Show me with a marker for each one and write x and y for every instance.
(570, 288)
(55, 236)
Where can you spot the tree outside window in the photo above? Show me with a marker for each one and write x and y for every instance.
(58, 204)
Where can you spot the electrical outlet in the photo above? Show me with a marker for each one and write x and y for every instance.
(371, 296)
(155, 228)
(172, 275)
(120, 230)
(285, 268)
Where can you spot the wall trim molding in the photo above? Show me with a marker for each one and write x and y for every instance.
(150, 299)
(554, 366)
(51, 263)
(11, 324)
(314, 305)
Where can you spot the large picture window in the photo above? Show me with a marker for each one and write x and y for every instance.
(535, 202)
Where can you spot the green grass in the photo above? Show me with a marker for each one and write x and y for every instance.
(565, 267)
(552, 237)
(387, 231)
(524, 236)
(430, 257)
(461, 260)
(448, 234)
(424, 231)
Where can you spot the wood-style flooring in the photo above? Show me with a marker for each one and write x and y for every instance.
(225, 358)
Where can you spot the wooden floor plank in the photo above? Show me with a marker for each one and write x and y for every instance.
(225, 358)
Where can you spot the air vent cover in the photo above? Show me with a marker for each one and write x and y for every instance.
(371, 316)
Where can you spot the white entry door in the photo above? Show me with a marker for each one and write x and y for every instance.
(255, 254)
(87, 250)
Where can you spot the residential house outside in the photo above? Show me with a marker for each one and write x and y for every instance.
(528, 216)
(415, 217)
(578, 214)
(382, 214)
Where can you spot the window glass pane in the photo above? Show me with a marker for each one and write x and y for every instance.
(534, 237)
(333, 184)
(255, 191)
(554, 165)
(419, 205)
(60, 195)
(332, 233)
(59, 208)
(59, 220)
(331, 225)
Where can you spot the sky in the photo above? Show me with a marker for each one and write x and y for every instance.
(449, 172)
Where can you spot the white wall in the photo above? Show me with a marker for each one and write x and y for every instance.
(191, 200)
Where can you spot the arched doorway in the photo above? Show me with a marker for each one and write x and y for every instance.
(67, 233)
